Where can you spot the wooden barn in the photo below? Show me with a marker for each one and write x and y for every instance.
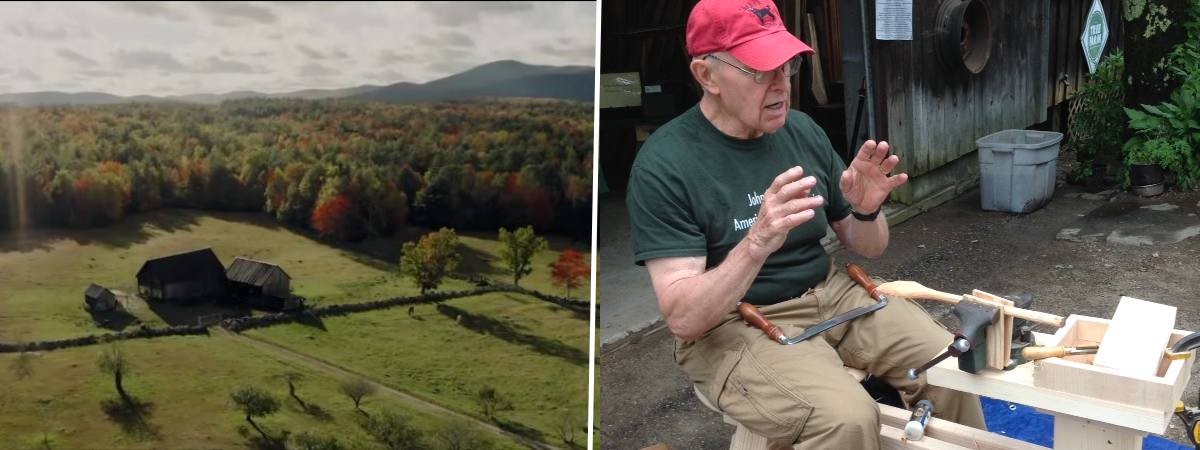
(98, 298)
(940, 77)
(188, 275)
(266, 282)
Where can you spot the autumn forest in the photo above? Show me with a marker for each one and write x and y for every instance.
(346, 170)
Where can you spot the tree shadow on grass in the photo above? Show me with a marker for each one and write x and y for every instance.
(133, 417)
(256, 441)
(127, 232)
(116, 319)
(483, 324)
(518, 428)
(310, 320)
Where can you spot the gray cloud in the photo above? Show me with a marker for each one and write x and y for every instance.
(74, 57)
(228, 14)
(456, 39)
(151, 9)
(312, 70)
(463, 13)
(310, 52)
(27, 29)
(95, 73)
(148, 59)
(218, 65)
(390, 56)
(26, 74)
(579, 52)
(447, 67)
(388, 76)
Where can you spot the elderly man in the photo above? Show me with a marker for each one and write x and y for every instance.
(729, 201)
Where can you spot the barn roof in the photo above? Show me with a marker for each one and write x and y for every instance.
(95, 291)
(253, 272)
(182, 266)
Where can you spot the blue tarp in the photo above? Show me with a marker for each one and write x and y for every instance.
(1025, 423)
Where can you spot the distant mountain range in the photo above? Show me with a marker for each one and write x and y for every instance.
(498, 79)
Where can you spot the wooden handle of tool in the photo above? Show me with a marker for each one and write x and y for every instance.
(753, 317)
(912, 289)
(1035, 316)
(860, 276)
(1036, 353)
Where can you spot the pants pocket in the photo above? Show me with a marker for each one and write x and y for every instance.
(755, 396)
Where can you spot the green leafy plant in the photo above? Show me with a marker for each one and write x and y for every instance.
(1168, 134)
(1096, 118)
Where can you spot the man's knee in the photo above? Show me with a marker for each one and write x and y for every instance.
(852, 415)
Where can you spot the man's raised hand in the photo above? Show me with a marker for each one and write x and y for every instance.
(786, 205)
(866, 184)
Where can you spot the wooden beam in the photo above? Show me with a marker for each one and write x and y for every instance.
(953, 433)
(1017, 386)
(818, 77)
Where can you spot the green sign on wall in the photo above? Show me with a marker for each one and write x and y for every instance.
(1095, 35)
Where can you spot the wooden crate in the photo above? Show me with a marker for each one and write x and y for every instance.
(1077, 375)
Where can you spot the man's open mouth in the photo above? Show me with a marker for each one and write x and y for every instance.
(775, 105)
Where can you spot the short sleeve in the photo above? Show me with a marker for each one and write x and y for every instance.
(661, 218)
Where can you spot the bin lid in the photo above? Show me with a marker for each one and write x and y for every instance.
(1019, 139)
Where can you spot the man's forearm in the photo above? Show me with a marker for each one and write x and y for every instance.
(868, 239)
(694, 304)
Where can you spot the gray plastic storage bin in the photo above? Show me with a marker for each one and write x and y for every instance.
(1017, 169)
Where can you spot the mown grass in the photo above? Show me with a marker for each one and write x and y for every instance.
(532, 352)
(44, 272)
(184, 383)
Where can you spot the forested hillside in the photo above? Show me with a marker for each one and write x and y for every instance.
(345, 169)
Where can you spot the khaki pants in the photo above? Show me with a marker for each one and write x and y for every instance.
(800, 394)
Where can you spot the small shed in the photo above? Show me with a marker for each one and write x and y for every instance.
(251, 277)
(193, 274)
(98, 298)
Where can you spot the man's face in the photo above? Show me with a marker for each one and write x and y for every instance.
(754, 108)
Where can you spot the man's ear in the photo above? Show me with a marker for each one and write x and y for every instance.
(704, 75)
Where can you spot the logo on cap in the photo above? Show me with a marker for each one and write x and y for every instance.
(765, 17)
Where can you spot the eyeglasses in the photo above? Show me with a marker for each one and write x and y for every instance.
(791, 67)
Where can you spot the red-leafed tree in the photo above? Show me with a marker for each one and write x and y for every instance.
(570, 270)
(330, 217)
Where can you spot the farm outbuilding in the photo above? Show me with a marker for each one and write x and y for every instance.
(252, 277)
(98, 298)
(193, 274)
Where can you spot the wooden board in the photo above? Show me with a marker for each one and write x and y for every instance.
(952, 433)
(1136, 337)
(1073, 433)
(818, 77)
(1017, 386)
(1077, 375)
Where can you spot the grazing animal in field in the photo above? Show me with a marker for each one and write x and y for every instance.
(458, 319)
(411, 310)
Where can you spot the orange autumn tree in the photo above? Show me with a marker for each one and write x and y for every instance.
(570, 270)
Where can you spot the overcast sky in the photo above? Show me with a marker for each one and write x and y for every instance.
(172, 48)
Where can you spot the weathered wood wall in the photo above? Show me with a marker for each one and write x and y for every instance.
(932, 116)
(1068, 69)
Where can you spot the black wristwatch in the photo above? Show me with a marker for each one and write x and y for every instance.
(866, 217)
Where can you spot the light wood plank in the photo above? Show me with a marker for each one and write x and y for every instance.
(1073, 433)
(953, 433)
(1136, 337)
(893, 439)
(818, 78)
(1017, 386)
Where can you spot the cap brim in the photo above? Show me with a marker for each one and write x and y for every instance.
(770, 51)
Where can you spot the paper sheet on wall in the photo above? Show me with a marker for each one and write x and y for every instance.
(893, 20)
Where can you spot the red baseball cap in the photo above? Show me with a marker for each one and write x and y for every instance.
(750, 30)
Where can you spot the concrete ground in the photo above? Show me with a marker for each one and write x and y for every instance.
(1077, 255)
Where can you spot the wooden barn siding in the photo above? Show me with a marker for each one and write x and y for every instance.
(1068, 70)
(277, 284)
(930, 118)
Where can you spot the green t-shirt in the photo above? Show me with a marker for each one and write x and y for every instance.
(695, 191)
